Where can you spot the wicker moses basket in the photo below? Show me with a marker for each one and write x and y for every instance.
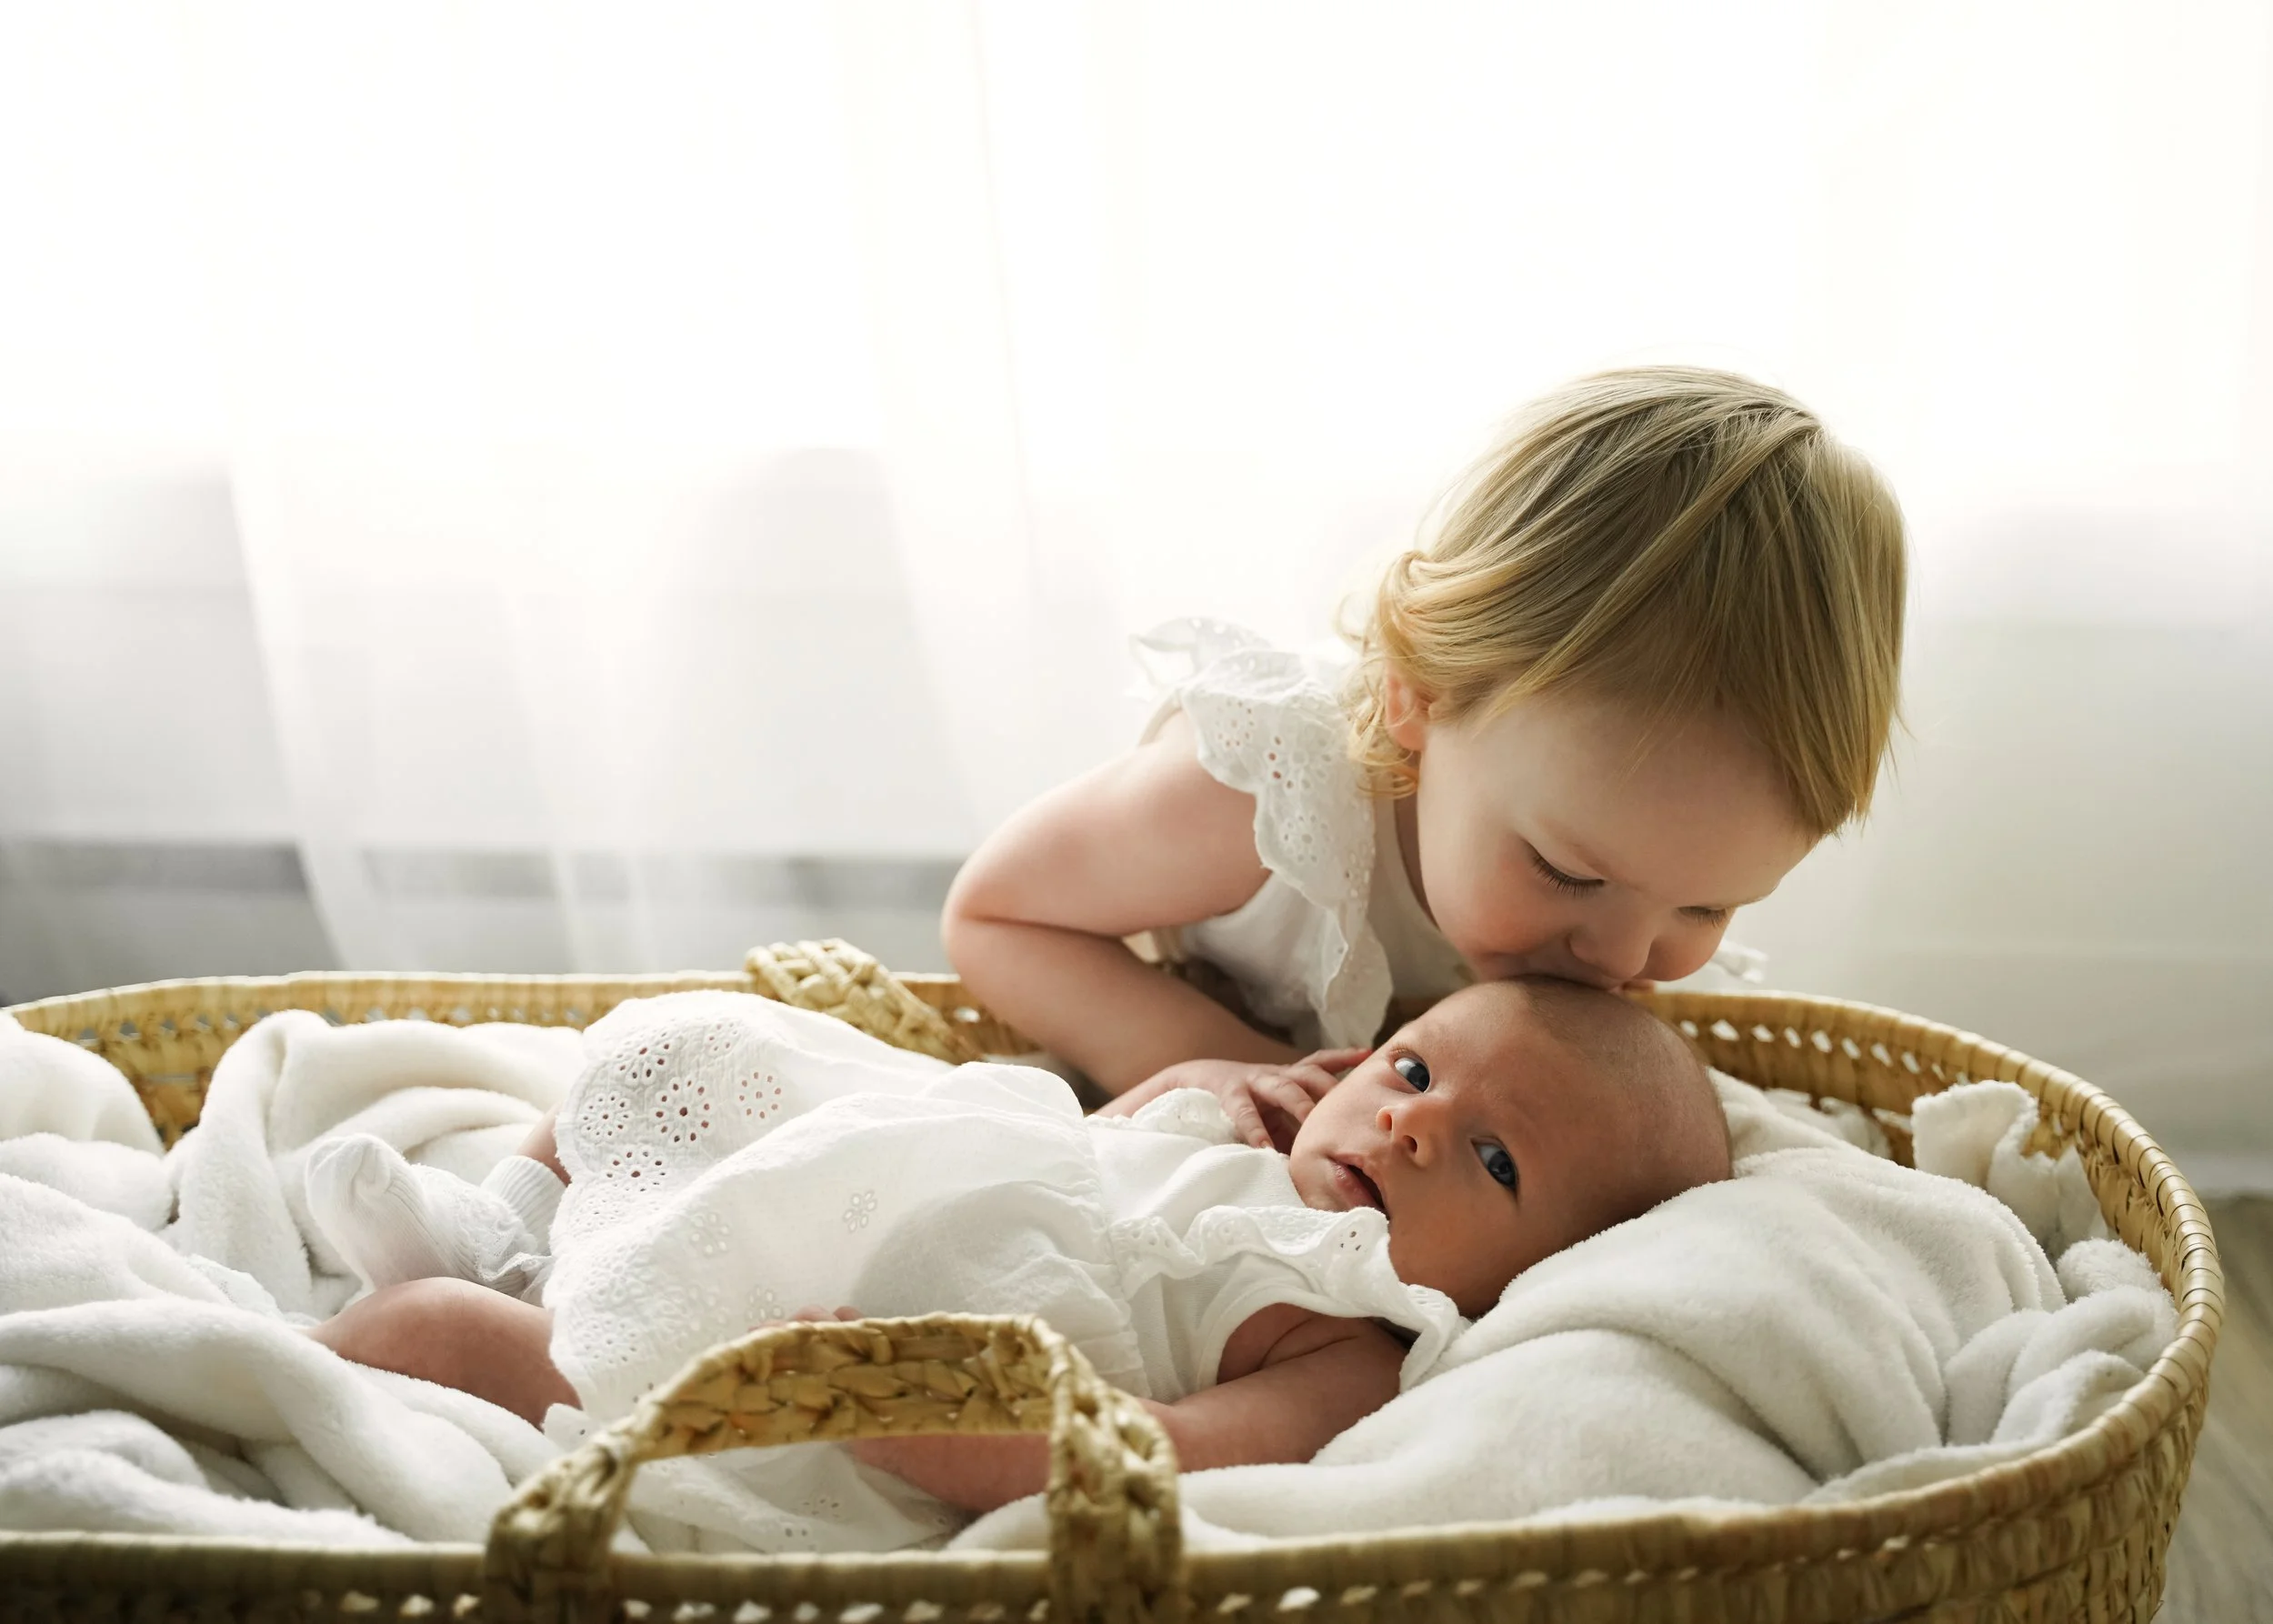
(2077, 1530)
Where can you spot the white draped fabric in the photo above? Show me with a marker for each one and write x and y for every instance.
(576, 485)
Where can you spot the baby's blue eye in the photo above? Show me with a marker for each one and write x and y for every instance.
(1497, 1163)
(1413, 1070)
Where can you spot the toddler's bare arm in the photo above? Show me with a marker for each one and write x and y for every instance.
(1289, 1381)
(1036, 918)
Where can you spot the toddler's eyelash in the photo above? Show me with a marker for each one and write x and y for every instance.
(1568, 884)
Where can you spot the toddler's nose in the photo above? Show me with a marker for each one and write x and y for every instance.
(1616, 956)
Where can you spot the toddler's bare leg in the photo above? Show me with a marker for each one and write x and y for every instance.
(459, 1335)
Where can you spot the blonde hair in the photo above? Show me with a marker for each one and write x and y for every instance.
(1670, 537)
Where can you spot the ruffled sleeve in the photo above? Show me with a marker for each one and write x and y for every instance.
(1223, 1236)
(1270, 725)
(1246, 1260)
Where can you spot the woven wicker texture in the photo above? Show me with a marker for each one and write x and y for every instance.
(2074, 1531)
(837, 978)
(168, 1036)
(1115, 1542)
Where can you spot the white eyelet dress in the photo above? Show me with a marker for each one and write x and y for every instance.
(1335, 931)
(732, 1160)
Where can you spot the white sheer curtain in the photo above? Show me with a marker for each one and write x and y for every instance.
(589, 484)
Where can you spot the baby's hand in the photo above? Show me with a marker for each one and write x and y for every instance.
(1267, 1102)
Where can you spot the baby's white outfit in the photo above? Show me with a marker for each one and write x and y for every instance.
(732, 1160)
(1335, 932)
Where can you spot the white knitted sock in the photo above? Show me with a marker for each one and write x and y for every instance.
(532, 1190)
(394, 1222)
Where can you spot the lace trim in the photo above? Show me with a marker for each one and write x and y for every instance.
(1268, 728)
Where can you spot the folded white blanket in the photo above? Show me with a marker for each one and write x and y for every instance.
(1825, 1325)
(51, 1086)
(451, 1097)
(157, 1382)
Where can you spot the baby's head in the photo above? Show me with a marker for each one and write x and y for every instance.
(1511, 1120)
(1648, 658)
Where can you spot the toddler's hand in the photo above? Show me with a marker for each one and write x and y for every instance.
(1267, 1102)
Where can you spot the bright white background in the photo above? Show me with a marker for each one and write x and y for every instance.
(544, 486)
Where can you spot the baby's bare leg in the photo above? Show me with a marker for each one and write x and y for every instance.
(459, 1335)
(541, 1146)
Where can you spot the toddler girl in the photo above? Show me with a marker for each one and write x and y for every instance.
(1647, 660)
(726, 1158)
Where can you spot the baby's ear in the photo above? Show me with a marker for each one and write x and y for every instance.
(1404, 710)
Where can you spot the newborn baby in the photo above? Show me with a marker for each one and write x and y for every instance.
(726, 1158)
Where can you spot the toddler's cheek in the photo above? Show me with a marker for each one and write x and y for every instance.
(1490, 934)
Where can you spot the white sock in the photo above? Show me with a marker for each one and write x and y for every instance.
(394, 1222)
(532, 1190)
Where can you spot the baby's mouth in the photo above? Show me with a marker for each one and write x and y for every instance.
(1358, 1189)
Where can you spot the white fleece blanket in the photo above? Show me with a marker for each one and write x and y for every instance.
(153, 1379)
(1827, 1325)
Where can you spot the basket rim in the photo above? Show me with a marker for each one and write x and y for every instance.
(1727, 1541)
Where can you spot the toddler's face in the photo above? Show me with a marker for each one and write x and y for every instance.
(1560, 838)
(1475, 1130)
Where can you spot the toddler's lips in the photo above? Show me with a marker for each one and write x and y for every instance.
(1358, 1190)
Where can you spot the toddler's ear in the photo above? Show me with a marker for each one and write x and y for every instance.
(1404, 710)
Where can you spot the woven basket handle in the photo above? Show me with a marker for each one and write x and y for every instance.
(837, 978)
(1115, 1541)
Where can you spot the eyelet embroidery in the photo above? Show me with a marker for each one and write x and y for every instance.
(1268, 727)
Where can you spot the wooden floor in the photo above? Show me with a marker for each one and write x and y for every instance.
(2221, 1558)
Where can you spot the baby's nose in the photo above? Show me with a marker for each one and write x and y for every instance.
(1407, 1129)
